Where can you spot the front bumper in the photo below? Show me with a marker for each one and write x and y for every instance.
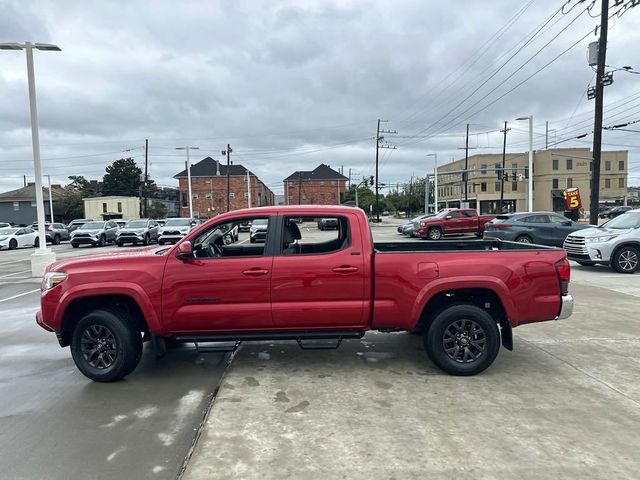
(589, 252)
(566, 310)
(130, 238)
(85, 241)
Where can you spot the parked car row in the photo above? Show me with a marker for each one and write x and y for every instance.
(616, 243)
(86, 231)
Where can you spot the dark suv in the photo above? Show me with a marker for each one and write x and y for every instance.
(55, 232)
(96, 234)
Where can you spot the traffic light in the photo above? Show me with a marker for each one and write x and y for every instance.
(371, 182)
(500, 173)
(506, 176)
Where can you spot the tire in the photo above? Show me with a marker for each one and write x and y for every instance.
(122, 346)
(146, 240)
(102, 241)
(434, 233)
(471, 323)
(120, 244)
(56, 240)
(37, 243)
(252, 240)
(586, 264)
(13, 244)
(524, 239)
(75, 245)
(626, 259)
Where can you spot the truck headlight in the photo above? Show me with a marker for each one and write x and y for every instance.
(604, 238)
(51, 279)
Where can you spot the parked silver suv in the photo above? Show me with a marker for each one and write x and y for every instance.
(615, 243)
(142, 231)
(174, 229)
(94, 234)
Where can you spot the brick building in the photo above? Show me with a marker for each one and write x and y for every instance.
(322, 186)
(209, 189)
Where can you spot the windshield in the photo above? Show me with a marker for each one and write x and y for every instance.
(177, 222)
(7, 231)
(624, 221)
(443, 213)
(136, 224)
(92, 226)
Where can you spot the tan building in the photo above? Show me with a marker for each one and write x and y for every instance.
(107, 208)
(209, 189)
(553, 171)
(321, 186)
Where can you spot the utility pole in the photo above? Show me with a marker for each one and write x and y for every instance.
(546, 135)
(227, 152)
(504, 156)
(299, 188)
(597, 124)
(146, 174)
(349, 178)
(187, 148)
(248, 189)
(466, 165)
(378, 147)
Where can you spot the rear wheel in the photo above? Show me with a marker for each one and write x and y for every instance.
(13, 244)
(37, 242)
(146, 240)
(626, 259)
(75, 245)
(56, 240)
(462, 340)
(105, 347)
(434, 233)
(102, 241)
(524, 239)
(119, 244)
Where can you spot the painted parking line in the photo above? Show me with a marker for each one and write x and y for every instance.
(15, 273)
(19, 295)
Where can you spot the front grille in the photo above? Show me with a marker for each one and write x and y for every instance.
(171, 233)
(575, 245)
(82, 235)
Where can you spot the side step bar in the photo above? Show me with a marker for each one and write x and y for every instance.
(306, 341)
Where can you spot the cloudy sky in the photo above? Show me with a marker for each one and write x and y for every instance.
(291, 84)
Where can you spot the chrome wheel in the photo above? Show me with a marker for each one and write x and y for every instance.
(98, 346)
(523, 239)
(464, 341)
(628, 260)
(435, 234)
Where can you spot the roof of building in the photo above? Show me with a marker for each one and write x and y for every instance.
(28, 194)
(321, 172)
(208, 167)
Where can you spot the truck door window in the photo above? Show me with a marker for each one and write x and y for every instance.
(469, 213)
(224, 240)
(309, 235)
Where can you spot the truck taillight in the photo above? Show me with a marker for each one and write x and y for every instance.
(563, 270)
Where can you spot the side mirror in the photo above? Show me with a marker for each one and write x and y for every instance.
(448, 217)
(185, 250)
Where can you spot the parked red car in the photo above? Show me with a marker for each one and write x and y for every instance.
(465, 296)
(452, 222)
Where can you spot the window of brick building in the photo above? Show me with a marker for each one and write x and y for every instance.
(232, 195)
(208, 195)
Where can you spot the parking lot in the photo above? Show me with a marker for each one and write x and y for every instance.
(564, 404)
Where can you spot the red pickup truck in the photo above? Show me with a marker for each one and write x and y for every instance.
(316, 287)
(452, 222)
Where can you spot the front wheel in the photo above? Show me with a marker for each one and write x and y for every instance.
(13, 244)
(104, 347)
(102, 241)
(146, 240)
(75, 245)
(56, 240)
(626, 259)
(434, 233)
(462, 340)
(37, 242)
(524, 239)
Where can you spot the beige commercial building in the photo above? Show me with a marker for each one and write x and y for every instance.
(553, 171)
(108, 208)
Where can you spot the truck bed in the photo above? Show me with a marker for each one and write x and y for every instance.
(454, 246)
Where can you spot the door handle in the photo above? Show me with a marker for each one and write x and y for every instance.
(255, 272)
(345, 269)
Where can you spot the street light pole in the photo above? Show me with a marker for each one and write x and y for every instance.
(187, 148)
(530, 180)
(43, 256)
(435, 182)
(50, 199)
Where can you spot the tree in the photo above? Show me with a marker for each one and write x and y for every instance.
(84, 186)
(122, 178)
(156, 210)
(70, 205)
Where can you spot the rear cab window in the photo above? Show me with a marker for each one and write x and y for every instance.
(314, 235)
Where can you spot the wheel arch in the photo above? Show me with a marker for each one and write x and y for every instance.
(482, 297)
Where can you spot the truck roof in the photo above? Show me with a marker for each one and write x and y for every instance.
(295, 209)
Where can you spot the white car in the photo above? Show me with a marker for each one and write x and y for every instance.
(174, 229)
(12, 238)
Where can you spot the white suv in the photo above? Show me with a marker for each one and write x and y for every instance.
(174, 229)
(615, 243)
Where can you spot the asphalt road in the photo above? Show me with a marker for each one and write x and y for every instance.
(56, 424)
